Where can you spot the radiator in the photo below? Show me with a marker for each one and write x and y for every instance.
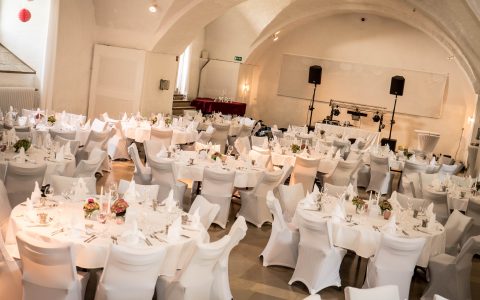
(18, 97)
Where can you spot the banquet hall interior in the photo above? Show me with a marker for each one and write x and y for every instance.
(239, 149)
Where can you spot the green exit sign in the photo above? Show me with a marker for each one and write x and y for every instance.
(238, 58)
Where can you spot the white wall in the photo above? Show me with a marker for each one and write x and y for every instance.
(158, 66)
(74, 55)
(197, 46)
(377, 41)
(26, 40)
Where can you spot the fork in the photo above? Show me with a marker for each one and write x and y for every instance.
(147, 241)
(57, 232)
(376, 228)
(156, 237)
(114, 239)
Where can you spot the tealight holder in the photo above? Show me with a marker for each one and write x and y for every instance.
(42, 218)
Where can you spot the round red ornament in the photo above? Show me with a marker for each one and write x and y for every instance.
(24, 15)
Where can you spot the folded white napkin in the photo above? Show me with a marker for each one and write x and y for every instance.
(429, 210)
(275, 127)
(192, 127)
(21, 156)
(394, 201)
(124, 117)
(60, 155)
(86, 126)
(30, 214)
(338, 213)
(195, 219)
(210, 129)
(80, 191)
(133, 235)
(413, 158)
(162, 153)
(131, 194)
(337, 155)
(36, 194)
(174, 230)
(433, 161)
(22, 121)
(350, 192)
(170, 203)
(391, 225)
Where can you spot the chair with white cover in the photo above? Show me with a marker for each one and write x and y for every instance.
(74, 144)
(20, 180)
(334, 190)
(220, 135)
(304, 172)
(137, 267)
(262, 158)
(98, 125)
(416, 203)
(380, 177)
(217, 188)
(440, 204)
(117, 147)
(446, 160)
(282, 246)
(409, 168)
(259, 141)
(221, 285)
(206, 210)
(389, 292)
(344, 173)
(95, 140)
(152, 149)
(245, 130)
(318, 262)
(449, 169)
(204, 137)
(242, 145)
(49, 269)
(456, 227)
(313, 297)
(61, 184)
(394, 263)
(194, 281)
(88, 168)
(428, 179)
(450, 275)
(163, 175)
(287, 172)
(68, 135)
(5, 209)
(10, 275)
(142, 173)
(290, 195)
(473, 211)
(146, 192)
(254, 202)
(162, 135)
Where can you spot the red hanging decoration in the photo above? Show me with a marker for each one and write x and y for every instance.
(24, 15)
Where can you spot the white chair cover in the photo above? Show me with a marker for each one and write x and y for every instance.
(318, 260)
(95, 140)
(449, 169)
(440, 204)
(457, 225)
(146, 192)
(473, 211)
(10, 275)
(88, 168)
(242, 145)
(217, 188)
(74, 144)
(290, 195)
(450, 275)
(220, 135)
(117, 144)
(344, 173)
(254, 202)
(409, 168)
(20, 180)
(334, 190)
(282, 246)
(152, 148)
(195, 281)
(258, 141)
(207, 211)
(98, 125)
(61, 184)
(221, 284)
(204, 137)
(304, 172)
(389, 292)
(162, 136)
(162, 174)
(68, 135)
(137, 267)
(417, 203)
(49, 269)
(5, 209)
(394, 263)
(142, 174)
(380, 177)
(245, 130)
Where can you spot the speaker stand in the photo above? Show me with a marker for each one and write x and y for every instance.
(393, 115)
(311, 108)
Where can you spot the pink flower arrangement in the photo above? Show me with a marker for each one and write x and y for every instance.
(119, 207)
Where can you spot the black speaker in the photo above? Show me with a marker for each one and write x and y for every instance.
(392, 143)
(315, 74)
(396, 86)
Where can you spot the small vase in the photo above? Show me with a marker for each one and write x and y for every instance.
(387, 214)
(358, 209)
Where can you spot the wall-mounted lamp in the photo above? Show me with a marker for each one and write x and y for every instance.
(153, 7)
(471, 120)
(164, 84)
(245, 88)
(275, 36)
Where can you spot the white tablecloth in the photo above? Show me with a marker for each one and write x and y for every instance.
(427, 140)
(326, 165)
(142, 133)
(364, 240)
(94, 254)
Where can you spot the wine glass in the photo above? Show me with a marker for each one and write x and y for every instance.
(49, 193)
(114, 191)
(229, 150)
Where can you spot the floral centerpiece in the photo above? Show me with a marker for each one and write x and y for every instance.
(119, 207)
(216, 155)
(359, 203)
(23, 143)
(295, 148)
(168, 121)
(385, 205)
(153, 119)
(90, 206)
(407, 154)
(51, 119)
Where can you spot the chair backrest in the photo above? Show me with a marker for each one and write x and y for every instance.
(389, 292)
(48, 264)
(138, 267)
(258, 141)
(5, 207)
(273, 204)
(439, 199)
(287, 171)
(11, 274)
(61, 184)
(220, 135)
(315, 233)
(449, 169)
(98, 125)
(427, 179)
(354, 155)
(20, 180)
(342, 175)
(204, 137)
(304, 171)
(133, 152)
(456, 226)
(152, 148)
(269, 182)
(379, 163)
(414, 167)
(207, 211)
(162, 175)
(88, 168)
(463, 261)
(473, 210)
(445, 160)
(146, 192)
(242, 145)
(334, 190)
(262, 160)
(245, 130)
(162, 136)
(68, 135)
(417, 203)
(290, 195)
(218, 182)
(74, 144)
(98, 139)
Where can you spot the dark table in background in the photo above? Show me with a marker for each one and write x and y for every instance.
(208, 106)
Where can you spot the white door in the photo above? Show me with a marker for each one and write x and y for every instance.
(116, 82)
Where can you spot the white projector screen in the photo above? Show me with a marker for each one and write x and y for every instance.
(423, 95)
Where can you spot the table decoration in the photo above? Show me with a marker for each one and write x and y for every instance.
(51, 120)
(23, 143)
(119, 207)
(359, 204)
(90, 207)
(385, 208)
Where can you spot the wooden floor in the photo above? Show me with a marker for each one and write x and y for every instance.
(250, 280)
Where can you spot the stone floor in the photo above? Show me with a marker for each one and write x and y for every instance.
(250, 280)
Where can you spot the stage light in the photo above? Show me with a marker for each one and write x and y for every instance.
(153, 8)
(376, 117)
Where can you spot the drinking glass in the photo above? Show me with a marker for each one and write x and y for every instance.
(229, 150)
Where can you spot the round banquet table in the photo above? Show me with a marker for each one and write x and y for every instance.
(141, 133)
(454, 198)
(326, 164)
(35, 156)
(360, 236)
(93, 254)
(245, 176)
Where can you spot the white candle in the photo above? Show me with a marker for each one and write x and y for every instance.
(101, 190)
(109, 196)
(370, 196)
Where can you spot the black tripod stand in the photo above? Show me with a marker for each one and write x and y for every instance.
(311, 108)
